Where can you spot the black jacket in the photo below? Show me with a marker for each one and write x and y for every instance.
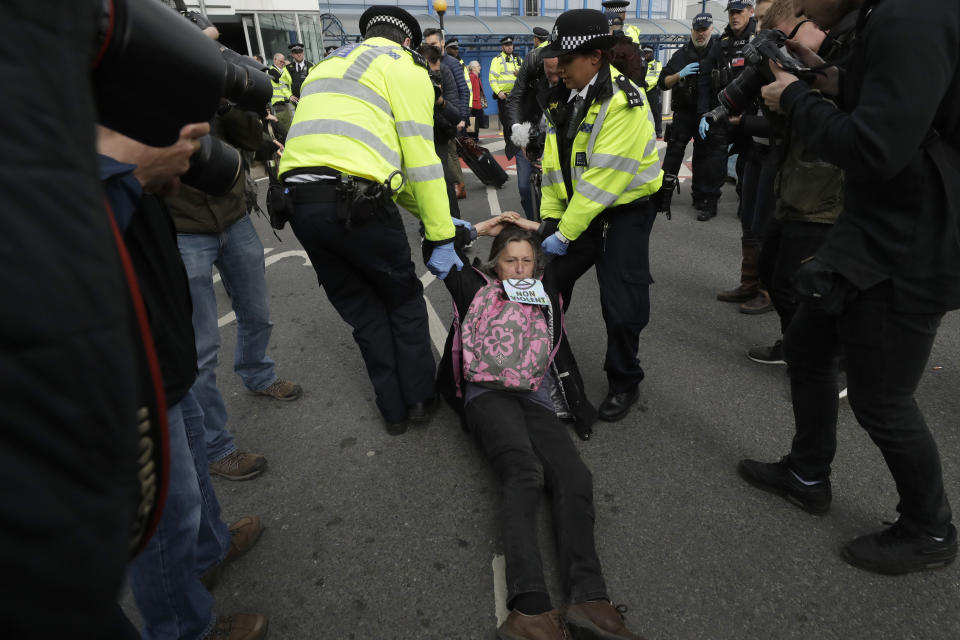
(446, 117)
(695, 92)
(897, 138)
(463, 285)
(522, 102)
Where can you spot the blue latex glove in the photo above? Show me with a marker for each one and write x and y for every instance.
(461, 223)
(704, 128)
(689, 70)
(556, 244)
(443, 259)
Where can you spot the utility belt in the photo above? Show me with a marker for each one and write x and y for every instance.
(358, 200)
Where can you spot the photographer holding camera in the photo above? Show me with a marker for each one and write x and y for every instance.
(887, 272)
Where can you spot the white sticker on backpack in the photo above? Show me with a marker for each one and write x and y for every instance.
(526, 291)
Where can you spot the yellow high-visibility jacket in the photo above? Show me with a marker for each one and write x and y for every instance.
(654, 67)
(466, 78)
(503, 73)
(613, 160)
(631, 32)
(281, 89)
(367, 110)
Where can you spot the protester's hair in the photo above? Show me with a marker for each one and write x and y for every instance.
(511, 233)
(474, 64)
(432, 31)
(431, 53)
(388, 31)
(779, 12)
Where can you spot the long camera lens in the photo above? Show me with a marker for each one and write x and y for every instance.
(244, 82)
(214, 167)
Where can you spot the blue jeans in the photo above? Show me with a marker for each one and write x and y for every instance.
(238, 256)
(524, 169)
(190, 538)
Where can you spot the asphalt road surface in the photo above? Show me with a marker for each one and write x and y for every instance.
(378, 537)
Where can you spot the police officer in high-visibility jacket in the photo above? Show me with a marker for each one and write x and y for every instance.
(361, 140)
(280, 101)
(654, 94)
(502, 77)
(620, 6)
(600, 169)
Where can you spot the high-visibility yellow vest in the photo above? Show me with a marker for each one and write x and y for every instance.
(654, 67)
(613, 161)
(367, 110)
(631, 32)
(466, 77)
(503, 73)
(281, 89)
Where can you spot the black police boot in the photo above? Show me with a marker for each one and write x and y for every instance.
(616, 405)
(664, 197)
(709, 211)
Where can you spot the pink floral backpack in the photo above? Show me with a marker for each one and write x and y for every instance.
(505, 344)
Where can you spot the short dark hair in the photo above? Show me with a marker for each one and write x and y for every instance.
(430, 52)
(388, 31)
(432, 31)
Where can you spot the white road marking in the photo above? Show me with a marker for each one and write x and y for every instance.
(493, 201)
(496, 145)
(500, 588)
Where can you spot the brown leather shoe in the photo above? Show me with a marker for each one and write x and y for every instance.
(545, 626)
(244, 533)
(241, 626)
(282, 390)
(761, 303)
(461, 191)
(597, 620)
(239, 465)
(749, 274)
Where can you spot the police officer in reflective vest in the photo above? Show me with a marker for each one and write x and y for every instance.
(502, 77)
(620, 6)
(280, 102)
(361, 143)
(296, 72)
(600, 168)
(654, 94)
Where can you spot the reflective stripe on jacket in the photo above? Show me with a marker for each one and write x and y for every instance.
(367, 110)
(281, 88)
(613, 161)
(503, 73)
(466, 76)
(654, 67)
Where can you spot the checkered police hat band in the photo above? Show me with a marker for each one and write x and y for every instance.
(572, 42)
(391, 20)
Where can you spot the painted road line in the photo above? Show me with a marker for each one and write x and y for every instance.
(500, 589)
(493, 201)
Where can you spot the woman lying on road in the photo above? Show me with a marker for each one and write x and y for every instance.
(506, 366)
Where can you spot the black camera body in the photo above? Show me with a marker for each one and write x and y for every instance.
(769, 44)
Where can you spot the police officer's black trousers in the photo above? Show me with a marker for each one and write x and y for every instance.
(371, 281)
(886, 353)
(655, 98)
(709, 156)
(617, 243)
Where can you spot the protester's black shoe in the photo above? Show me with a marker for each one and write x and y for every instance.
(419, 412)
(901, 548)
(616, 405)
(777, 478)
(699, 204)
(768, 355)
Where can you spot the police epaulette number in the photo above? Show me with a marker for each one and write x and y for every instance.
(417, 58)
(634, 98)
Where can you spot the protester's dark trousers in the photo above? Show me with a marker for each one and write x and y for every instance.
(530, 449)
(886, 352)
